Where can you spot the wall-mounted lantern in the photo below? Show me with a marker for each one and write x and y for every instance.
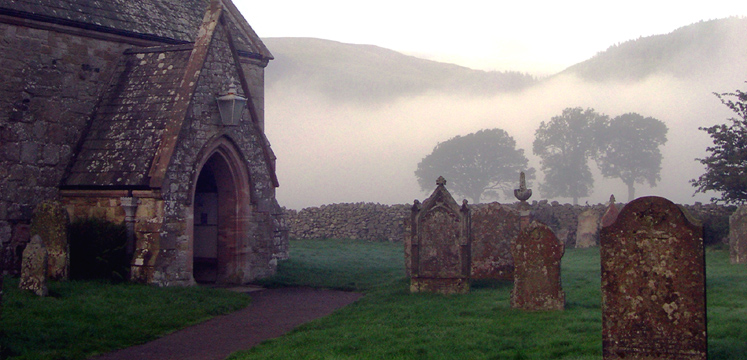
(231, 106)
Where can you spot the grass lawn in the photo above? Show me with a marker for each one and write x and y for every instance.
(391, 323)
(84, 318)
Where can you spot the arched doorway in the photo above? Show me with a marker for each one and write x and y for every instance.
(221, 203)
(205, 254)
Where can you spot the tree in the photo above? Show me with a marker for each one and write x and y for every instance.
(629, 150)
(485, 162)
(564, 145)
(726, 166)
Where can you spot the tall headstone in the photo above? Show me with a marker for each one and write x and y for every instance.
(440, 244)
(738, 236)
(653, 283)
(34, 267)
(537, 253)
(494, 226)
(587, 230)
(50, 221)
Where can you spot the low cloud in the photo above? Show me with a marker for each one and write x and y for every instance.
(331, 153)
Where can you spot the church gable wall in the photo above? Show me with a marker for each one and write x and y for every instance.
(202, 127)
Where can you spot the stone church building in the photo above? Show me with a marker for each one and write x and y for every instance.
(111, 107)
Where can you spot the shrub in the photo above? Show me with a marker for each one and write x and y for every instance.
(98, 250)
(716, 230)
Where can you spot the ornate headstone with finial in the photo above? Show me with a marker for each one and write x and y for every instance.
(439, 244)
(523, 194)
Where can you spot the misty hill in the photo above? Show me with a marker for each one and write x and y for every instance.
(367, 73)
(693, 51)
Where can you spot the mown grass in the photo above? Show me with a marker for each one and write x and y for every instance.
(84, 318)
(391, 323)
(339, 264)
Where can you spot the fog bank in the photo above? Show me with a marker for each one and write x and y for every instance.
(342, 152)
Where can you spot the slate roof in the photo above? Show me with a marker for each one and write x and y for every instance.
(175, 20)
(138, 110)
(118, 150)
(167, 21)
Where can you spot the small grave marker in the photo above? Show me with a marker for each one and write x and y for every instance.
(587, 230)
(50, 221)
(537, 253)
(34, 267)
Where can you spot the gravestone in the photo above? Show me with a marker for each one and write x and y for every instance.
(408, 227)
(439, 244)
(738, 236)
(50, 221)
(610, 215)
(587, 230)
(653, 283)
(537, 253)
(34, 267)
(494, 226)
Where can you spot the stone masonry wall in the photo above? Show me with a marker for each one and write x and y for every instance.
(363, 221)
(376, 222)
(50, 84)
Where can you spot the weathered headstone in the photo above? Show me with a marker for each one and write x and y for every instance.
(537, 253)
(653, 284)
(738, 236)
(494, 226)
(13, 250)
(34, 267)
(439, 244)
(587, 230)
(408, 228)
(610, 215)
(50, 221)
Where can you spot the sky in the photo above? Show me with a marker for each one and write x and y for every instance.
(325, 158)
(537, 37)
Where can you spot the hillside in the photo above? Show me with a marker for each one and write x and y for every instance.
(350, 123)
(693, 51)
(367, 73)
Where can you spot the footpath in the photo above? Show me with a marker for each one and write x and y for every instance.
(272, 313)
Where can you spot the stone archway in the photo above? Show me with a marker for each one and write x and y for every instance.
(221, 205)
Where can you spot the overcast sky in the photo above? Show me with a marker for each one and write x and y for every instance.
(538, 37)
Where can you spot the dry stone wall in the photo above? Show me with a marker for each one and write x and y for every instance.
(377, 222)
(360, 221)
